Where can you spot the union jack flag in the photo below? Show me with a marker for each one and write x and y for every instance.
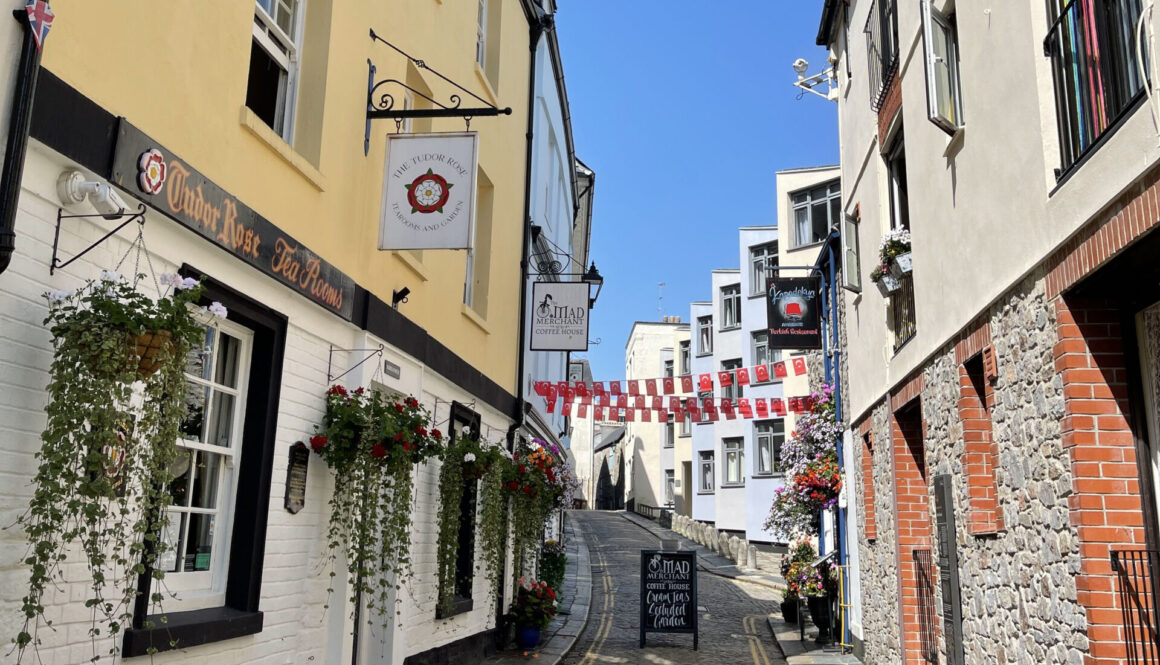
(39, 20)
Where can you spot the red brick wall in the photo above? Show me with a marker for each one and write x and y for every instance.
(869, 522)
(1105, 505)
(890, 107)
(912, 525)
(980, 451)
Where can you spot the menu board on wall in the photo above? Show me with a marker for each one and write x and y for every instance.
(668, 593)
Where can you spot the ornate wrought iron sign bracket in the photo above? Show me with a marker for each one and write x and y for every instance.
(384, 105)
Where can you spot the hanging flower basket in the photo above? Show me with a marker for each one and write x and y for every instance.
(151, 347)
(903, 265)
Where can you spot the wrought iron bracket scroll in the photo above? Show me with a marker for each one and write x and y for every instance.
(384, 105)
(371, 353)
(56, 263)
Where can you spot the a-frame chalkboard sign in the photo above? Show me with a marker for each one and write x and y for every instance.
(668, 593)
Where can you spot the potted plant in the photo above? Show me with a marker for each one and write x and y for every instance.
(116, 403)
(818, 590)
(532, 611)
(795, 569)
(553, 563)
(372, 444)
(895, 252)
(885, 280)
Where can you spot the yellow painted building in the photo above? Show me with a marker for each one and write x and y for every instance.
(259, 111)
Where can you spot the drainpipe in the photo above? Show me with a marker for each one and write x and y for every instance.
(538, 24)
(835, 356)
(21, 118)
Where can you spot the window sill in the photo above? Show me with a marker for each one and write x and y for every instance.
(475, 318)
(705, 492)
(730, 328)
(732, 486)
(810, 245)
(488, 88)
(765, 476)
(955, 141)
(413, 264)
(459, 605)
(263, 133)
(702, 355)
(189, 629)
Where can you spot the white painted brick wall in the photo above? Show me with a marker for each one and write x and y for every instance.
(297, 629)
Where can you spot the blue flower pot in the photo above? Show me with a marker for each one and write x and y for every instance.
(526, 637)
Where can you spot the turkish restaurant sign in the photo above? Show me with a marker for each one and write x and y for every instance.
(794, 310)
(429, 191)
(158, 177)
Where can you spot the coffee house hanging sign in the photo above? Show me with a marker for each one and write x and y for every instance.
(429, 191)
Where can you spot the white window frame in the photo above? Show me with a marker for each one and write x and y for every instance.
(669, 369)
(765, 434)
(733, 446)
(760, 257)
(730, 307)
(686, 354)
(481, 35)
(851, 255)
(670, 432)
(939, 30)
(204, 589)
(733, 390)
(704, 335)
(899, 201)
(771, 355)
(670, 490)
(707, 472)
(803, 200)
(272, 39)
(686, 425)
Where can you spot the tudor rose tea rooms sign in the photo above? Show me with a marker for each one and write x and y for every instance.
(429, 191)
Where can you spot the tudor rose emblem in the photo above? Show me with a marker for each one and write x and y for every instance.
(151, 171)
(428, 193)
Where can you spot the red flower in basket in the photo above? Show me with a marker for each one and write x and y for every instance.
(412, 402)
(378, 451)
(513, 485)
(398, 407)
(336, 390)
(420, 430)
(437, 434)
(317, 443)
(523, 469)
(399, 436)
(407, 446)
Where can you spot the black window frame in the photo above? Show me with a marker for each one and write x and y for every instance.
(464, 418)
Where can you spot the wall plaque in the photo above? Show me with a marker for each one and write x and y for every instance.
(948, 568)
(296, 477)
(668, 593)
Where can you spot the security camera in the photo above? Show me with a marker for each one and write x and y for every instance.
(800, 66)
(73, 188)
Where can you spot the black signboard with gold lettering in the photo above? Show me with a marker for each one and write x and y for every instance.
(145, 169)
(793, 306)
(668, 593)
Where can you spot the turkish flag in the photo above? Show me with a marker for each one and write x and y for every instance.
(638, 402)
(541, 388)
(621, 401)
(706, 382)
(646, 416)
(777, 405)
(662, 416)
(552, 393)
(707, 404)
(566, 410)
(668, 385)
(762, 407)
(744, 408)
(725, 378)
(713, 417)
(614, 387)
(762, 373)
(587, 399)
(582, 389)
(674, 403)
(650, 387)
(807, 403)
(629, 416)
(687, 383)
(604, 399)
(795, 404)
(658, 403)
(569, 393)
(552, 404)
(598, 388)
(582, 411)
(678, 415)
(799, 366)
(562, 387)
(779, 370)
(730, 415)
(727, 405)
(634, 387)
(598, 413)
(743, 376)
(691, 404)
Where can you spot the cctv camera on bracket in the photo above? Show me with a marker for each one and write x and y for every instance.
(72, 188)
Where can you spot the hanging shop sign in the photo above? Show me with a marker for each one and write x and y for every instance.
(560, 316)
(155, 175)
(668, 593)
(429, 191)
(793, 305)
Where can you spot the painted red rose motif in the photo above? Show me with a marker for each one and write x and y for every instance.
(428, 193)
(151, 171)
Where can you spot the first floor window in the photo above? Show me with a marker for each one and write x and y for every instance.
(669, 480)
(669, 439)
(762, 259)
(706, 472)
(205, 472)
(705, 335)
(686, 366)
(815, 212)
(734, 459)
(770, 434)
(686, 425)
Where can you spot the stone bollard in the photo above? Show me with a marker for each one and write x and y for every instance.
(734, 543)
(723, 544)
(715, 540)
(740, 554)
(701, 530)
(751, 555)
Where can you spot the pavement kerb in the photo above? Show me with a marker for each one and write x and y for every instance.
(707, 560)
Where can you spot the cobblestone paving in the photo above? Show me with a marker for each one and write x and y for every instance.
(732, 614)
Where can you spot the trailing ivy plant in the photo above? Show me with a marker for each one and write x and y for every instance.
(372, 444)
(116, 402)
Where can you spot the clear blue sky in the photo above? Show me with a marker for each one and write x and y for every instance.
(685, 111)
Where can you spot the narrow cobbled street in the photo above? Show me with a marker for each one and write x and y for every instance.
(732, 614)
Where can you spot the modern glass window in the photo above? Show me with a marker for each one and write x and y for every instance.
(670, 428)
(208, 458)
(668, 369)
(768, 437)
(762, 354)
(940, 46)
(761, 259)
(734, 453)
(686, 425)
(815, 212)
(686, 361)
(705, 472)
(732, 391)
(705, 335)
(1095, 67)
(730, 306)
(274, 55)
(670, 479)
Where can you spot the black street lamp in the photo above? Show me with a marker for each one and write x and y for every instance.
(593, 278)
